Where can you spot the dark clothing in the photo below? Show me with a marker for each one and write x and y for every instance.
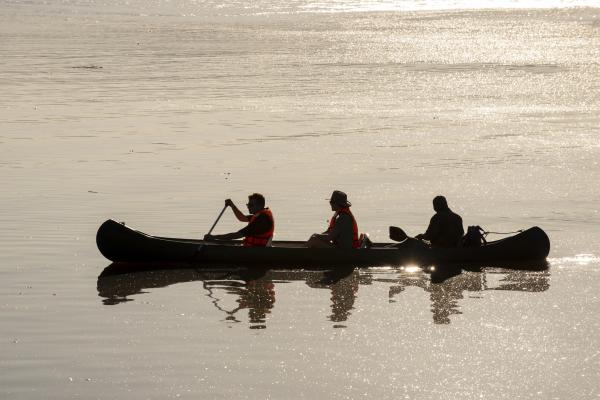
(445, 229)
(341, 233)
(262, 224)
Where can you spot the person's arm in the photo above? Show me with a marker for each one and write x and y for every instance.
(462, 229)
(332, 234)
(324, 239)
(260, 225)
(236, 211)
(432, 230)
(326, 232)
(225, 236)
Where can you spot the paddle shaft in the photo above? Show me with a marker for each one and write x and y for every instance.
(217, 220)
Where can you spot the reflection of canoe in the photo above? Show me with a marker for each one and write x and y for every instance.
(116, 281)
(120, 243)
(255, 289)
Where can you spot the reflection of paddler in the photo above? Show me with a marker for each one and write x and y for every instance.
(259, 298)
(343, 296)
(444, 296)
(343, 284)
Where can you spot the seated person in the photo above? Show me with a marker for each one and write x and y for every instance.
(343, 230)
(261, 225)
(445, 228)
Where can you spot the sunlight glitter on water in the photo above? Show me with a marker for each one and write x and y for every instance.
(387, 5)
(578, 259)
(497, 110)
(411, 269)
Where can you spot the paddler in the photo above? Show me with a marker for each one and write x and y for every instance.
(445, 227)
(343, 230)
(260, 228)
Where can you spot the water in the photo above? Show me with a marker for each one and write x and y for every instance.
(153, 113)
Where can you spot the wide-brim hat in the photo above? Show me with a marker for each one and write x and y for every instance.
(339, 198)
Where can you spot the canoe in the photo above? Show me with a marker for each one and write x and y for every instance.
(120, 243)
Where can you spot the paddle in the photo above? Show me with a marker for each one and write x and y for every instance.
(217, 220)
(397, 234)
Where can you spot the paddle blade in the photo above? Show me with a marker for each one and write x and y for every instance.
(397, 234)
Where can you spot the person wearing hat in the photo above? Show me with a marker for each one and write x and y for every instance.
(343, 230)
(445, 228)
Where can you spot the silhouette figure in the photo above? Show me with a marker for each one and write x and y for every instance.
(445, 227)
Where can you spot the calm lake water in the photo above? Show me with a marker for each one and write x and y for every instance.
(154, 112)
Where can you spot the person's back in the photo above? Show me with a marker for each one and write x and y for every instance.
(342, 233)
(448, 229)
(445, 228)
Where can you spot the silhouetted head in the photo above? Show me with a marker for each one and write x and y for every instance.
(256, 202)
(339, 200)
(440, 203)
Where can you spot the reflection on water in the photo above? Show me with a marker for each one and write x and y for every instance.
(258, 296)
(255, 289)
(444, 295)
(343, 284)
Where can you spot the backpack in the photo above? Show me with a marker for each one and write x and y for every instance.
(474, 237)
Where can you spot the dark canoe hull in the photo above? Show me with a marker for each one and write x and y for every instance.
(120, 243)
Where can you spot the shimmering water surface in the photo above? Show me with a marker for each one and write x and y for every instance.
(154, 112)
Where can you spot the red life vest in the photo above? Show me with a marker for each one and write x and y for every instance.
(262, 239)
(355, 241)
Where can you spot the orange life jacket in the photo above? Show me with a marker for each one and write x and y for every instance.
(355, 241)
(262, 239)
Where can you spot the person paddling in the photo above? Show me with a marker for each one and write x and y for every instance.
(261, 225)
(343, 230)
(445, 227)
